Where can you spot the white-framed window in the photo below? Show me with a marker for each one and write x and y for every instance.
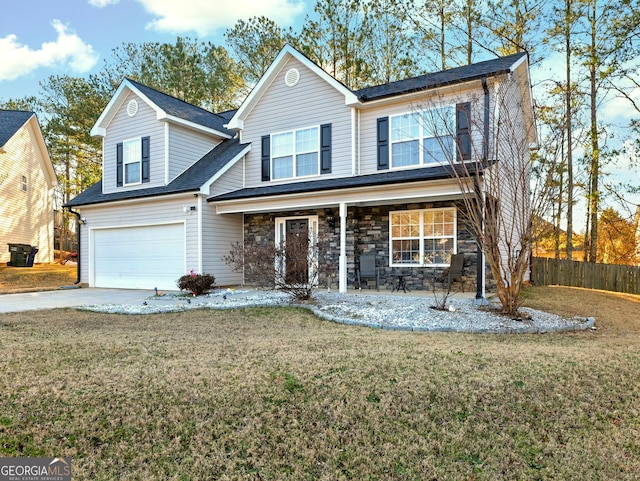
(423, 138)
(295, 153)
(23, 183)
(424, 237)
(132, 161)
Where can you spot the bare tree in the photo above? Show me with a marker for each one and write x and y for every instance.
(296, 266)
(492, 162)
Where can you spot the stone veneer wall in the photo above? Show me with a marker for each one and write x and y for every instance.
(367, 232)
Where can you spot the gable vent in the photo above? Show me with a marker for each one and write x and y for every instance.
(132, 108)
(292, 77)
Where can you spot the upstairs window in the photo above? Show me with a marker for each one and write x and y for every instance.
(423, 237)
(423, 138)
(132, 161)
(295, 153)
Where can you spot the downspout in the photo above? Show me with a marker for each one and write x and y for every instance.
(77, 214)
(480, 277)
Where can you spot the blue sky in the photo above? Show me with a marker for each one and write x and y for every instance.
(39, 38)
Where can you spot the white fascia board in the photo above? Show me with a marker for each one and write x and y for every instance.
(287, 52)
(204, 189)
(138, 200)
(44, 152)
(352, 196)
(99, 129)
(191, 125)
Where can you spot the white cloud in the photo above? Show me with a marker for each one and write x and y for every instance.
(67, 50)
(206, 16)
(102, 3)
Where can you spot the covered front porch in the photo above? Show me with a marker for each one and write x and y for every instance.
(365, 222)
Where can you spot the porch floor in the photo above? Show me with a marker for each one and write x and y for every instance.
(457, 294)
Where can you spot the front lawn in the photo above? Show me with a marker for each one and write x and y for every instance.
(273, 394)
(40, 277)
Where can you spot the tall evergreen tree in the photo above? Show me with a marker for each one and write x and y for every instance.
(389, 49)
(255, 43)
(197, 72)
(336, 40)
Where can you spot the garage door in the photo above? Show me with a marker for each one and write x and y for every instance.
(139, 257)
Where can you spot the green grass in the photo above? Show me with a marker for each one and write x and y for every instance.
(273, 394)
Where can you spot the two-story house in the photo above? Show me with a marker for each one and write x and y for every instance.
(27, 183)
(370, 170)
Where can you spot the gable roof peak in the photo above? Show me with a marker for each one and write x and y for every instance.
(166, 106)
(287, 52)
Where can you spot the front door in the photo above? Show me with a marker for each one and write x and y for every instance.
(297, 251)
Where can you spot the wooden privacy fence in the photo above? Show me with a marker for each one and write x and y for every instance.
(608, 277)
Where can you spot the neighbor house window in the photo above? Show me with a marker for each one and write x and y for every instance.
(23, 183)
(295, 153)
(424, 137)
(132, 161)
(422, 237)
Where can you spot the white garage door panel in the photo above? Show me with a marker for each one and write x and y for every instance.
(139, 257)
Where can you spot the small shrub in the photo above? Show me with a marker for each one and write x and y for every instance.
(199, 284)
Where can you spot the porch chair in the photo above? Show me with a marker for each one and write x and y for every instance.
(368, 268)
(454, 272)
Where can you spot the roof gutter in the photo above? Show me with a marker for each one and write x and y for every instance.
(79, 257)
(480, 276)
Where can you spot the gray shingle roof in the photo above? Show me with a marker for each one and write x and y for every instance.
(181, 109)
(474, 71)
(10, 123)
(190, 180)
(393, 177)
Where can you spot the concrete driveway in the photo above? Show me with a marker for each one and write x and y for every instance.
(30, 301)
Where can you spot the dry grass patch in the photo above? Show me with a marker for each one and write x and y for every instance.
(40, 277)
(278, 394)
(615, 312)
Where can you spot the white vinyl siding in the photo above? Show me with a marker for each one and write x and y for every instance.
(229, 181)
(505, 178)
(121, 128)
(25, 217)
(219, 232)
(281, 109)
(186, 147)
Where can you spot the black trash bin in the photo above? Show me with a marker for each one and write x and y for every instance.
(19, 255)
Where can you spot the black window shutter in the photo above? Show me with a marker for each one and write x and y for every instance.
(145, 159)
(266, 157)
(119, 164)
(325, 149)
(463, 135)
(383, 143)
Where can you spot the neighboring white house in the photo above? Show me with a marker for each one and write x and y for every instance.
(303, 152)
(27, 182)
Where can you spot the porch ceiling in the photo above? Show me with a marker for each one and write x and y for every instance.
(372, 195)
